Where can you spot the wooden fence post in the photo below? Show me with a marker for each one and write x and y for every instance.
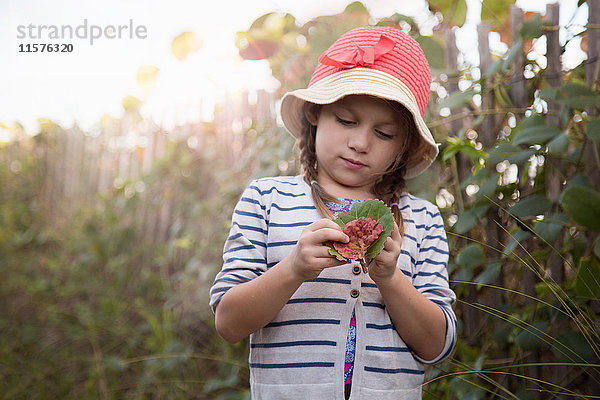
(592, 79)
(464, 171)
(488, 135)
(519, 96)
(470, 315)
(591, 150)
(554, 164)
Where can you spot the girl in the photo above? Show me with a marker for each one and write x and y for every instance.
(320, 328)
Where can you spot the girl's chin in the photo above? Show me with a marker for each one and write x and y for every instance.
(351, 189)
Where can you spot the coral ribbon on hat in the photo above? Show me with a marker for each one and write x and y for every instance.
(364, 56)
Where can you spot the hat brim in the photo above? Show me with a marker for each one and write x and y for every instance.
(357, 81)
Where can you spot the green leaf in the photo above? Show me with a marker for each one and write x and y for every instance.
(502, 151)
(532, 337)
(575, 95)
(587, 283)
(434, 51)
(531, 206)
(394, 20)
(558, 145)
(456, 144)
(582, 204)
(579, 248)
(469, 218)
(454, 11)
(335, 253)
(374, 209)
(534, 130)
(597, 247)
(580, 180)
(463, 275)
(458, 99)
(550, 227)
(471, 256)
(489, 274)
(533, 28)
(507, 151)
(496, 12)
(571, 346)
(488, 189)
(548, 93)
(515, 239)
(502, 334)
(592, 130)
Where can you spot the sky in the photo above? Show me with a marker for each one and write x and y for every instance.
(91, 81)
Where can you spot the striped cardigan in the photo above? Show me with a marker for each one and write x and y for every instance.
(300, 354)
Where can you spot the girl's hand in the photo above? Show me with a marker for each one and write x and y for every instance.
(310, 256)
(383, 267)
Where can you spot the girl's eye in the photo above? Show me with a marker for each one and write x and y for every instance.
(384, 135)
(345, 121)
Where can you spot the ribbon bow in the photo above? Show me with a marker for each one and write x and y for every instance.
(364, 56)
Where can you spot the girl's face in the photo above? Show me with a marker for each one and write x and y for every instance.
(357, 140)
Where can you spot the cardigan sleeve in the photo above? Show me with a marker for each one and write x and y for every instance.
(431, 278)
(244, 253)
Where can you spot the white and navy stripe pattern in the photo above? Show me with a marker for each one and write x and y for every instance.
(300, 354)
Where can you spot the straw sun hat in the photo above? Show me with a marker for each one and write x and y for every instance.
(378, 61)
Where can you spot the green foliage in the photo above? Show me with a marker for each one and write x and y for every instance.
(496, 12)
(592, 130)
(534, 130)
(572, 95)
(587, 282)
(434, 52)
(582, 204)
(93, 307)
(455, 12)
(532, 29)
(468, 219)
(471, 256)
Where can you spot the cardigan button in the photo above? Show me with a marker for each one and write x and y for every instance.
(356, 269)
(354, 293)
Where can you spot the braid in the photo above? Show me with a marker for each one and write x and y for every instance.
(388, 189)
(308, 161)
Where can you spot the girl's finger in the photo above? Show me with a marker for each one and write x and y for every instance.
(323, 252)
(322, 223)
(325, 234)
(334, 262)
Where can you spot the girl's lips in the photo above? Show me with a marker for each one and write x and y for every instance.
(353, 163)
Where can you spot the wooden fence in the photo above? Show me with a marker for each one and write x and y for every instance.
(79, 166)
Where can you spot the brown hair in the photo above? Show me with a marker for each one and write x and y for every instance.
(389, 186)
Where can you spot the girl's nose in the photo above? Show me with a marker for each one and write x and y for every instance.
(359, 139)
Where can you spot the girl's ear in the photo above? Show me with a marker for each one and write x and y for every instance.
(311, 112)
